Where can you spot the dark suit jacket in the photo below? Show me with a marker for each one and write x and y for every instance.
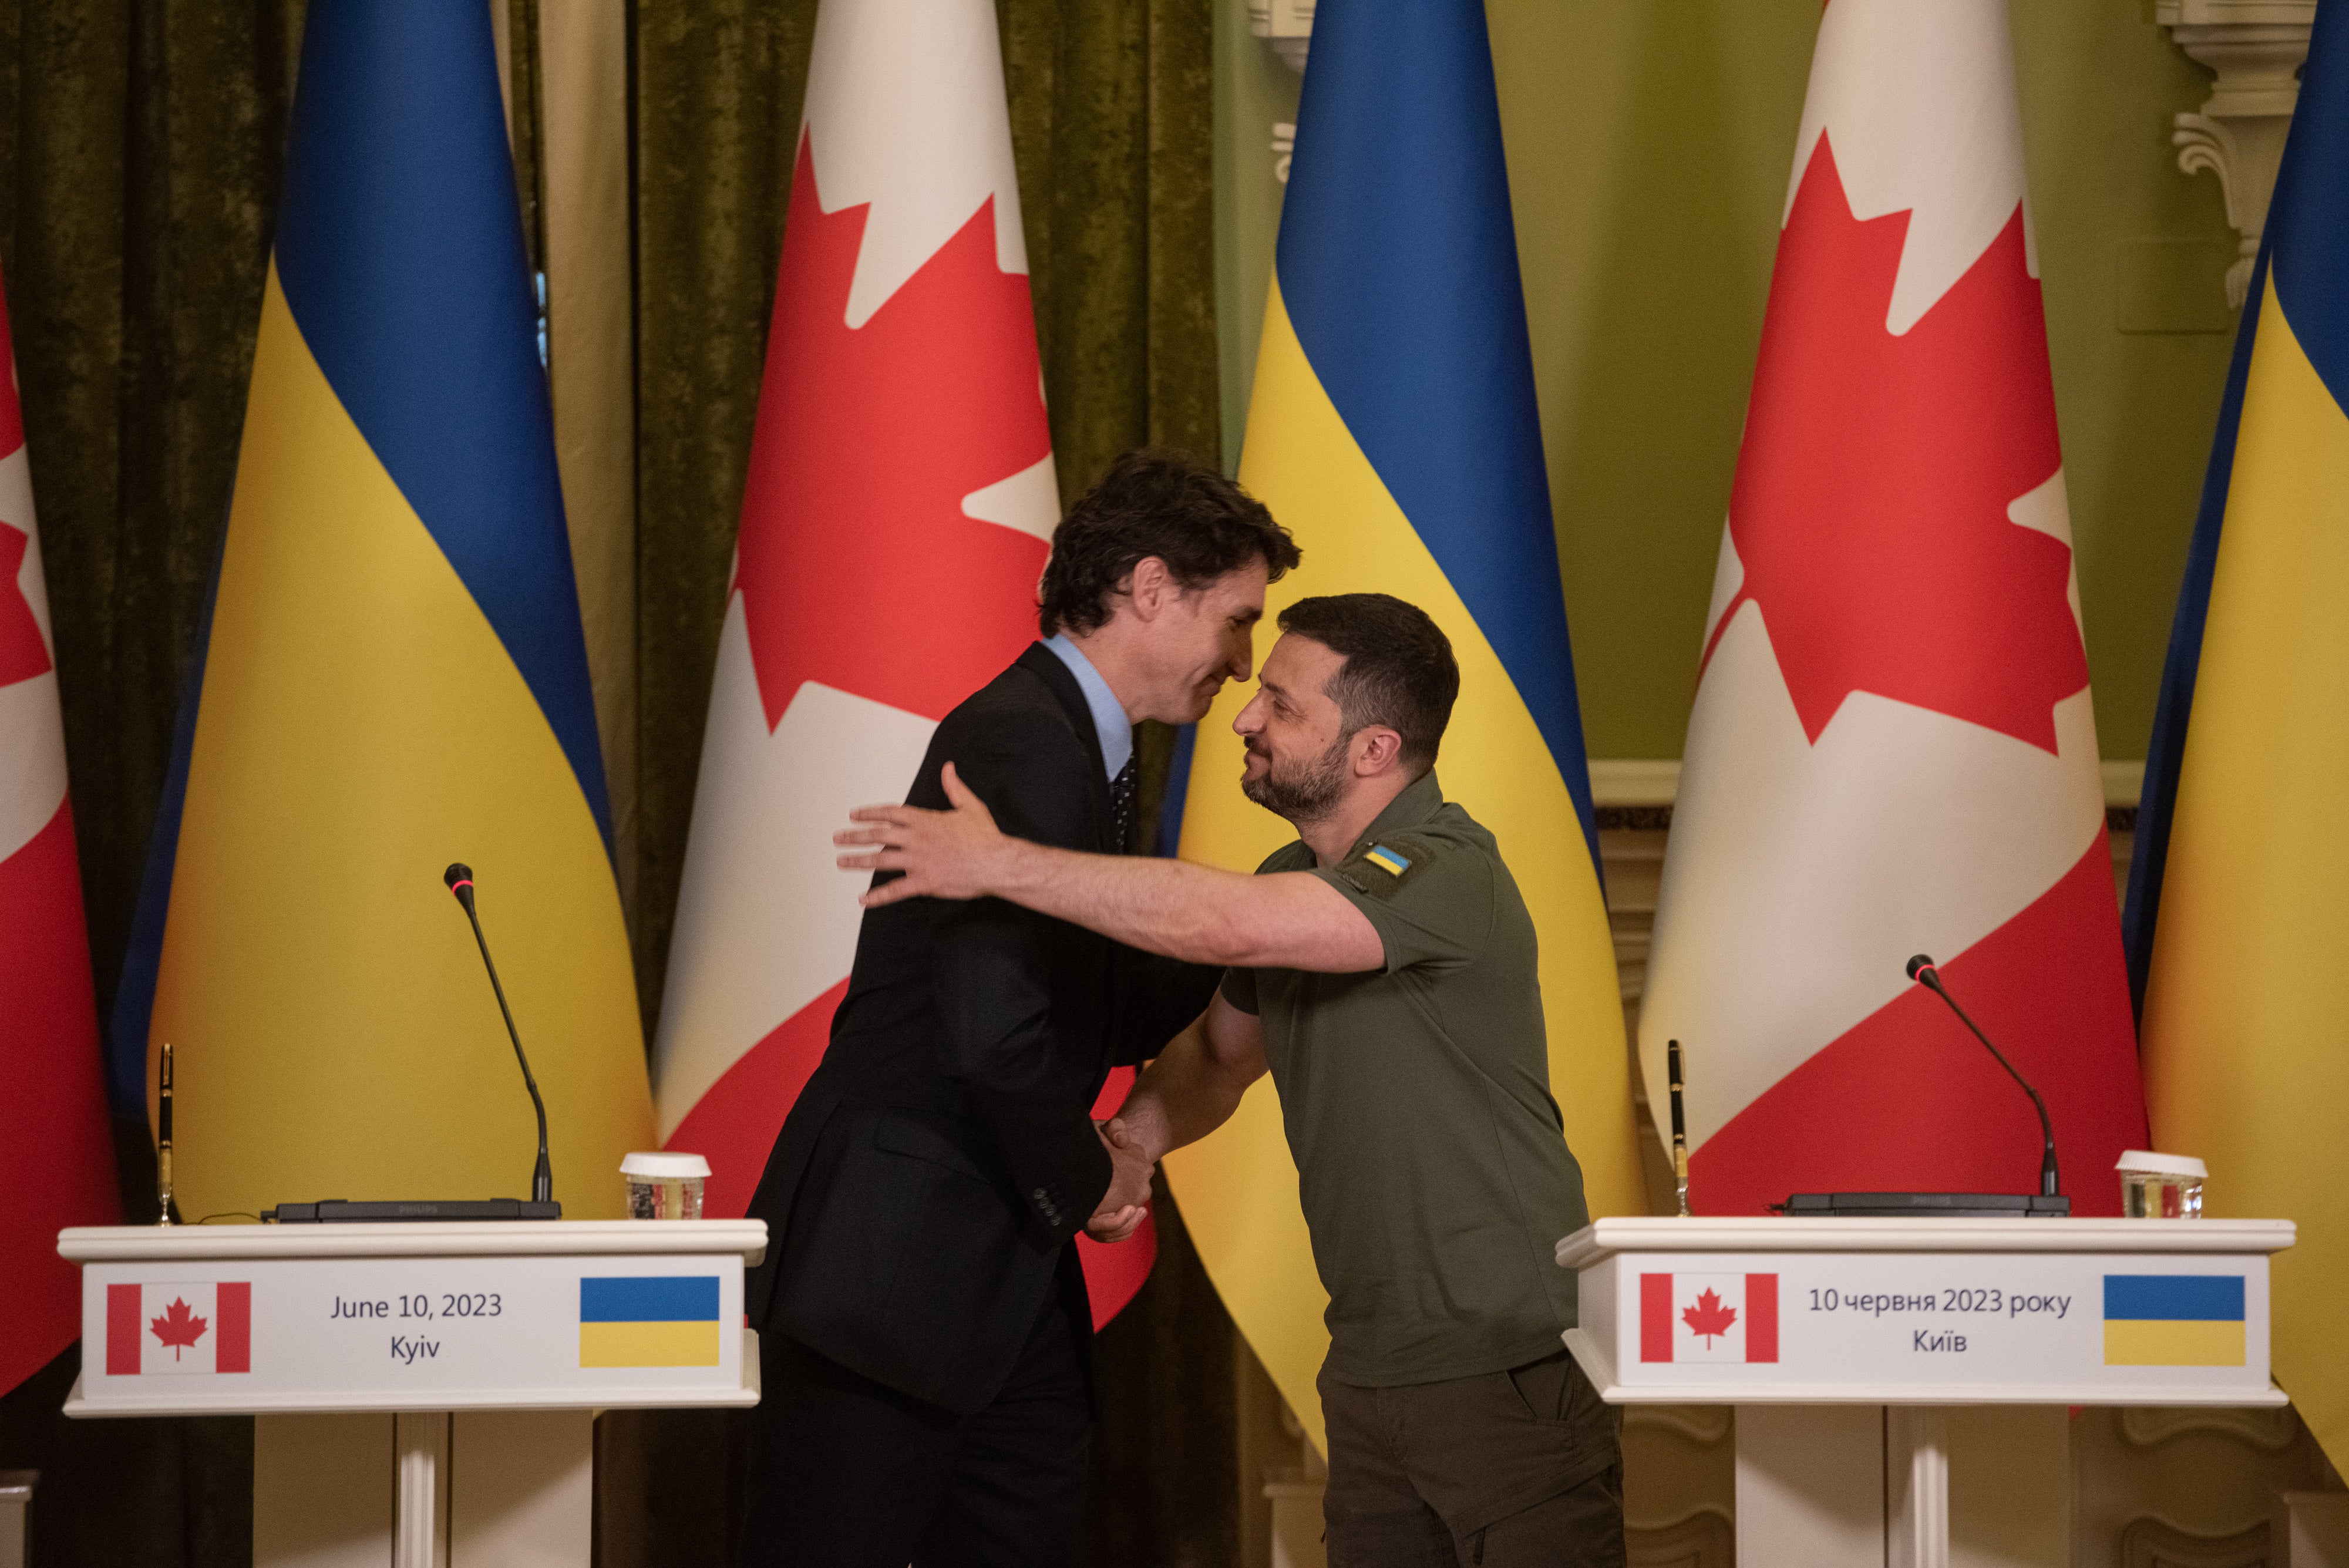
(921, 1196)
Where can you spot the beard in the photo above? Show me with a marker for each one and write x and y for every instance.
(1304, 791)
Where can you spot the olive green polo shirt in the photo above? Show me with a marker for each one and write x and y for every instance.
(1431, 1161)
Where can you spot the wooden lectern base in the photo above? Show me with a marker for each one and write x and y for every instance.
(1902, 1486)
(423, 1491)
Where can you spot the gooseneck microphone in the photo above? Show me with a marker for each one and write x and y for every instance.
(460, 877)
(1922, 970)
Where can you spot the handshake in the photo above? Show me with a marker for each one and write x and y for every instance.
(1126, 1204)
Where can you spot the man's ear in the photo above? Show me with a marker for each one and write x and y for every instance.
(1150, 587)
(1377, 749)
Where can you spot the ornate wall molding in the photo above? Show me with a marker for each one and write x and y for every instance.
(1650, 784)
(2272, 1431)
(1706, 1538)
(2152, 1544)
(1286, 26)
(2255, 48)
(1704, 1425)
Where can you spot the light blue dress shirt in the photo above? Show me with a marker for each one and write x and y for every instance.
(1110, 721)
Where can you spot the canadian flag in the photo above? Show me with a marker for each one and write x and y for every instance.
(1892, 749)
(1708, 1317)
(179, 1327)
(900, 505)
(57, 1160)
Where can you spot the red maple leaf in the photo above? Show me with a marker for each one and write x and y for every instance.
(1870, 506)
(22, 654)
(178, 1327)
(857, 565)
(1709, 1319)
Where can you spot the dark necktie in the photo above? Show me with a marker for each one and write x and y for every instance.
(1120, 805)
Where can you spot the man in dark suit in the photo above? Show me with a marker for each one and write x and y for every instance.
(925, 1331)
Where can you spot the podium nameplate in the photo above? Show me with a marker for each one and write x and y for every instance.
(1778, 1311)
(510, 1317)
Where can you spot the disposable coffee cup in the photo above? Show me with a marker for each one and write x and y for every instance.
(2160, 1186)
(665, 1186)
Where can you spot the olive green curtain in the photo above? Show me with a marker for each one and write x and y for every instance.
(139, 147)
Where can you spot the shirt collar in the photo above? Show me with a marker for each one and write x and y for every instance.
(1110, 723)
(1420, 800)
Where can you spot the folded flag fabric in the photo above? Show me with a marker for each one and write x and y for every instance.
(389, 676)
(2239, 891)
(179, 1327)
(2173, 1320)
(648, 1320)
(57, 1158)
(1893, 746)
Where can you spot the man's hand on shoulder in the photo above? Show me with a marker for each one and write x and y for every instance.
(1126, 1204)
(954, 854)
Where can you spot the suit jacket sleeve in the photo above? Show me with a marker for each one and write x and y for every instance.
(992, 982)
(1157, 999)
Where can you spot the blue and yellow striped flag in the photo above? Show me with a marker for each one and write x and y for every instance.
(648, 1320)
(2174, 1320)
(2239, 896)
(390, 676)
(1392, 429)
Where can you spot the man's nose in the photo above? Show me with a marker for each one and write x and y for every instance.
(1248, 721)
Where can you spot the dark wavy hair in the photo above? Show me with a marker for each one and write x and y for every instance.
(1399, 669)
(1159, 504)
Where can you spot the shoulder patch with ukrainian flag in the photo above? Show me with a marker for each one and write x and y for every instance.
(1382, 868)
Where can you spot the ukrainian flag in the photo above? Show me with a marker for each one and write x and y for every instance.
(650, 1320)
(2173, 1320)
(2238, 897)
(1392, 429)
(390, 675)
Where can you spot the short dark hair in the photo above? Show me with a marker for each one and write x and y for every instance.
(1399, 669)
(1159, 504)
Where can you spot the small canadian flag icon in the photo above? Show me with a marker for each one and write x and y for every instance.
(180, 1326)
(1708, 1317)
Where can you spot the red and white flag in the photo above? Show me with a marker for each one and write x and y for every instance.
(900, 506)
(1892, 749)
(1709, 1317)
(179, 1327)
(56, 1161)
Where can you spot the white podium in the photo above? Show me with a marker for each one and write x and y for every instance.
(1853, 1348)
(425, 1393)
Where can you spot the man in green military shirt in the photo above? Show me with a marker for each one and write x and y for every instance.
(1384, 968)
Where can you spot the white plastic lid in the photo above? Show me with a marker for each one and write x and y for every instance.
(2144, 1162)
(665, 1167)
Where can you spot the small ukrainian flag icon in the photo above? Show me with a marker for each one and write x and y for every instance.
(650, 1320)
(2173, 1320)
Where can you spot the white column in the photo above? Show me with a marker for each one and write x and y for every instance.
(420, 1526)
(1917, 1470)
